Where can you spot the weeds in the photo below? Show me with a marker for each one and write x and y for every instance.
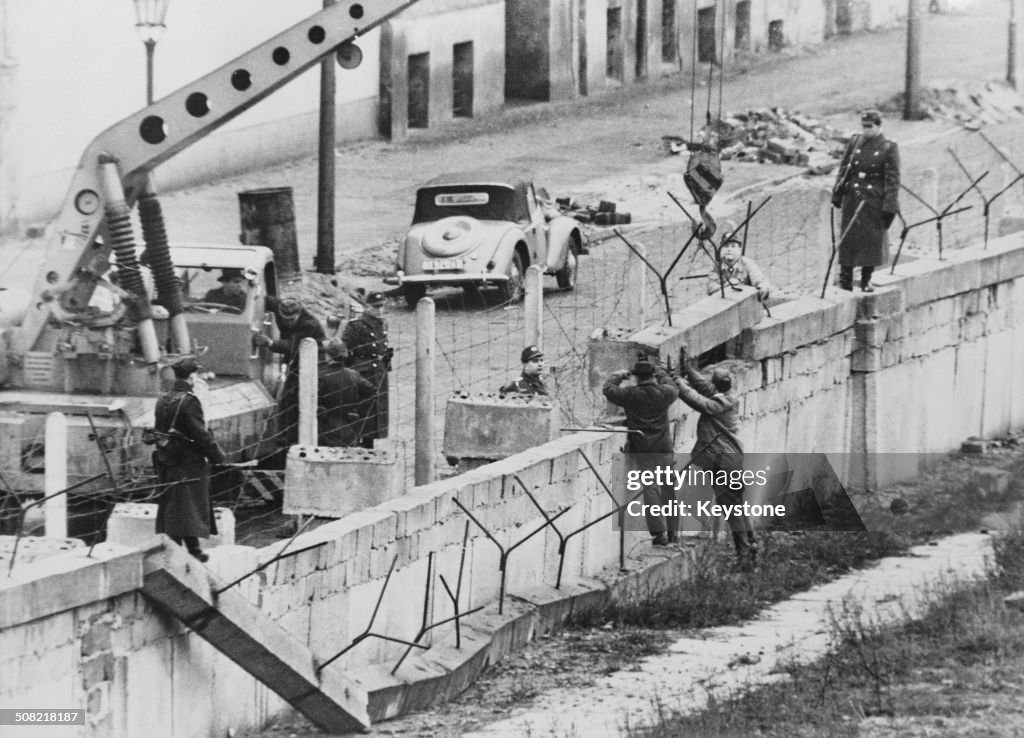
(965, 647)
(716, 593)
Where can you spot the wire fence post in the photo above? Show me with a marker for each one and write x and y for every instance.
(425, 329)
(534, 307)
(636, 292)
(308, 351)
(56, 477)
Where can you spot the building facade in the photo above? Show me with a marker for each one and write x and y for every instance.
(437, 62)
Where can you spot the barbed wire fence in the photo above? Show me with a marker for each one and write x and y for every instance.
(479, 339)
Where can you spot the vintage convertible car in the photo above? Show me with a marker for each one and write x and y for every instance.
(485, 229)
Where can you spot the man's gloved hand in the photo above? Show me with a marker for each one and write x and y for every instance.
(261, 340)
(764, 290)
(887, 219)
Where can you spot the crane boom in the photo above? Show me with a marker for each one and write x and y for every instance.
(154, 134)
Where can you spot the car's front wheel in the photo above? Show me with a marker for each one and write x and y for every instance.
(566, 276)
(512, 289)
(413, 293)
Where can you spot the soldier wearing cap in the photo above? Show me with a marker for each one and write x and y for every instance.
(736, 269)
(531, 381)
(294, 323)
(869, 174)
(184, 451)
(233, 290)
(366, 338)
(649, 443)
(344, 398)
(717, 447)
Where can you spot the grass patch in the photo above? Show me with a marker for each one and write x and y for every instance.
(717, 594)
(958, 666)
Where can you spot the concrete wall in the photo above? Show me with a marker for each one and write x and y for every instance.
(925, 361)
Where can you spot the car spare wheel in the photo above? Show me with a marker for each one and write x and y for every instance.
(512, 289)
(452, 236)
(413, 293)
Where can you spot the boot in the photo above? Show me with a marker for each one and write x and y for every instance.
(846, 278)
(865, 279)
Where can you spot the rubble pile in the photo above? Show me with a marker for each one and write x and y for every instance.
(969, 104)
(773, 135)
(604, 213)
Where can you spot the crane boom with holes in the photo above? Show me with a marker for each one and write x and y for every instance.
(105, 315)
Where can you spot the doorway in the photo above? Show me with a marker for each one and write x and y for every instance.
(419, 90)
(742, 40)
(462, 80)
(669, 48)
(615, 65)
(706, 36)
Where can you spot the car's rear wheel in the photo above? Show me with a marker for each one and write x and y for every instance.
(413, 293)
(512, 289)
(566, 276)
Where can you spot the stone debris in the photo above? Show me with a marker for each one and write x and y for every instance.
(772, 135)
(971, 104)
(604, 213)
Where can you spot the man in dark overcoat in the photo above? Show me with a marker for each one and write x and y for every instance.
(185, 450)
(718, 448)
(649, 443)
(344, 398)
(366, 338)
(294, 323)
(869, 174)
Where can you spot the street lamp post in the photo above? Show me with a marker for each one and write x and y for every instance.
(149, 17)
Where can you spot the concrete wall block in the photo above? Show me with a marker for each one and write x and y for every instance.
(881, 302)
(1011, 257)
(333, 482)
(609, 350)
(866, 359)
(972, 327)
(412, 513)
(892, 353)
(492, 426)
(1000, 375)
(762, 340)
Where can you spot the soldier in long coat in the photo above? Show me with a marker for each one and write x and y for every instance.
(185, 449)
(344, 397)
(366, 338)
(869, 174)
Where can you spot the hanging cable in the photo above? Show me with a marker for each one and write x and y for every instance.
(721, 72)
(693, 70)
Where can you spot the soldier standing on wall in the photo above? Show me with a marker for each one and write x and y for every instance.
(366, 338)
(869, 174)
(184, 451)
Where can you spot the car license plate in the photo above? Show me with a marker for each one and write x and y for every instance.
(437, 265)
